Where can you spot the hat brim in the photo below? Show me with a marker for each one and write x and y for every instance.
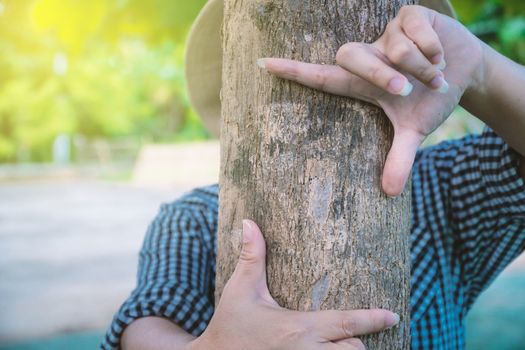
(203, 66)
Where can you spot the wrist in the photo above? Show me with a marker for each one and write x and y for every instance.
(479, 84)
(479, 94)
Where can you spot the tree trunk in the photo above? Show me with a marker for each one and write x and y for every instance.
(306, 166)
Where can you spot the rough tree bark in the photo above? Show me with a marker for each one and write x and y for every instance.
(306, 166)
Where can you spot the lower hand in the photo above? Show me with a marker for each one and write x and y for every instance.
(405, 73)
(247, 316)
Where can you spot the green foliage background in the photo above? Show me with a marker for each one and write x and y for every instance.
(113, 69)
(99, 68)
(500, 23)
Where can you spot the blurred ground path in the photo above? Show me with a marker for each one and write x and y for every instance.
(497, 320)
(68, 253)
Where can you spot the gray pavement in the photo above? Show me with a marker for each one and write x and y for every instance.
(68, 253)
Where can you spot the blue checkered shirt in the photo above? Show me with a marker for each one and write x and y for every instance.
(468, 223)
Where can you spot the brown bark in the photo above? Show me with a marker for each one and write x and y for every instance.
(306, 166)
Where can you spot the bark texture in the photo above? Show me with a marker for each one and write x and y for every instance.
(306, 166)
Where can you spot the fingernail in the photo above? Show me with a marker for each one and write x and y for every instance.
(392, 320)
(442, 65)
(261, 62)
(444, 88)
(407, 89)
(400, 86)
(437, 82)
(246, 231)
(440, 84)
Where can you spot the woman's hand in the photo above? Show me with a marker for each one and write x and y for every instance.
(404, 72)
(247, 317)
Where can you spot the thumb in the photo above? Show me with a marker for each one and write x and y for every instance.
(251, 267)
(399, 161)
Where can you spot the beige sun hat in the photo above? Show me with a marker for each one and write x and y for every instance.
(204, 60)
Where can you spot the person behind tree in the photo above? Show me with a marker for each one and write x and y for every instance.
(468, 218)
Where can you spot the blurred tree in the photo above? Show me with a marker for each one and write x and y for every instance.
(77, 22)
(99, 68)
(500, 23)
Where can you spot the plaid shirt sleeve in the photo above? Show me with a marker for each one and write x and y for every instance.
(487, 213)
(176, 275)
(468, 224)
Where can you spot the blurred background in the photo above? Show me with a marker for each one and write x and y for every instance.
(96, 131)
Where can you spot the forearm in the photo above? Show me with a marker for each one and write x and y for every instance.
(155, 333)
(498, 98)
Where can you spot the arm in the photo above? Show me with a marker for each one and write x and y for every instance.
(248, 317)
(175, 275)
(497, 98)
(155, 333)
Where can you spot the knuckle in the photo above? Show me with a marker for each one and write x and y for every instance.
(375, 73)
(414, 26)
(427, 73)
(399, 52)
(419, 27)
(407, 9)
(403, 9)
(321, 79)
(248, 258)
(292, 73)
(342, 53)
(349, 326)
(410, 9)
(346, 52)
(390, 25)
(292, 333)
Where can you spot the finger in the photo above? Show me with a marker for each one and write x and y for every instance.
(407, 57)
(416, 23)
(337, 325)
(328, 78)
(361, 60)
(250, 272)
(399, 161)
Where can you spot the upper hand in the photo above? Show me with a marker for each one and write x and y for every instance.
(417, 72)
(247, 316)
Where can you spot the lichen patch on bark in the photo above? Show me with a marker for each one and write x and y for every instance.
(320, 291)
(320, 198)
